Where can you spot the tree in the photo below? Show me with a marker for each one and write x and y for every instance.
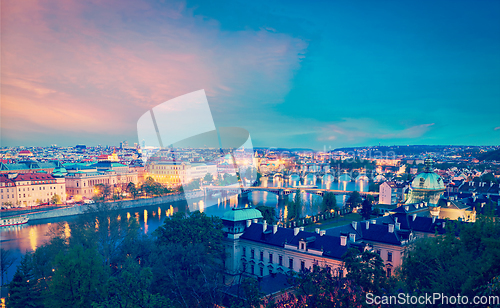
(132, 288)
(468, 264)
(78, 279)
(56, 199)
(269, 213)
(354, 200)
(208, 177)
(187, 261)
(294, 207)
(6, 261)
(131, 189)
(329, 202)
(365, 269)
(366, 209)
(24, 291)
(251, 294)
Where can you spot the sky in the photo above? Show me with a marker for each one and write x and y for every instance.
(297, 74)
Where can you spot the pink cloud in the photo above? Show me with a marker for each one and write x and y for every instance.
(92, 66)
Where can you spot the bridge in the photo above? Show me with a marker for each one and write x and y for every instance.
(280, 191)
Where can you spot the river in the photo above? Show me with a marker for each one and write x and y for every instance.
(22, 238)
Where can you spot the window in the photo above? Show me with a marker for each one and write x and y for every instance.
(262, 271)
(261, 256)
(271, 258)
(389, 271)
(252, 252)
(290, 263)
(244, 267)
(281, 260)
(389, 256)
(302, 246)
(244, 251)
(252, 268)
(378, 252)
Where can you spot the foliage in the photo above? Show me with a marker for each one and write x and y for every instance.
(468, 264)
(56, 199)
(77, 279)
(208, 177)
(320, 287)
(132, 189)
(131, 287)
(24, 289)
(6, 261)
(329, 202)
(250, 292)
(365, 270)
(354, 200)
(294, 207)
(366, 209)
(269, 213)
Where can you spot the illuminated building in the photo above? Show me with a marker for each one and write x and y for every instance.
(30, 189)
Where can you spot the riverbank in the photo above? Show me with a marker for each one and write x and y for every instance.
(54, 212)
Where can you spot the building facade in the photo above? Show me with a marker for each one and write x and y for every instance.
(30, 189)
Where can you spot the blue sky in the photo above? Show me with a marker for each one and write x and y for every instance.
(294, 74)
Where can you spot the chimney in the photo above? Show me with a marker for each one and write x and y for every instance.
(275, 229)
(355, 225)
(249, 223)
(296, 231)
(448, 203)
(395, 219)
(391, 228)
(444, 224)
(407, 208)
(414, 217)
(343, 240)
(367, 224)
(264, 226)
(398, 226)
(316, 230)
(255, 220)
(433, 219)
(322, 232)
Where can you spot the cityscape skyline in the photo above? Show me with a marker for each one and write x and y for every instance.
(294, 75)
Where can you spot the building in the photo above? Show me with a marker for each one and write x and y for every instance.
(427, 187)
(29, 166)
(81, 178)
(30, 189)
(254, 248)
(391, 192)
(176, 173)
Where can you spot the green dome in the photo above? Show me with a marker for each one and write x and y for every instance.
(428, 180)
(242, 214)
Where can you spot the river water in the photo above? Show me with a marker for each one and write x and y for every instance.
(23, 238)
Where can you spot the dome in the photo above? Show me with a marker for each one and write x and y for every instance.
(242, 214)
(428, 179)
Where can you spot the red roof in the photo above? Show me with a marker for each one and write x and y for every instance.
(33, 177)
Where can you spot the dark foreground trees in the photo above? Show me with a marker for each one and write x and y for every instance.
(106, 262)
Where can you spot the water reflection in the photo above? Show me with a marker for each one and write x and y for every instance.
(28, 237)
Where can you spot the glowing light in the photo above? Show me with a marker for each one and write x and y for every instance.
(67, 231)
(33, 236)
(128, 215)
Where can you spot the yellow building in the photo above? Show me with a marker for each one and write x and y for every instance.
(30, 189)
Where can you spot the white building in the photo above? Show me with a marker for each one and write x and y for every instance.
(30, 189)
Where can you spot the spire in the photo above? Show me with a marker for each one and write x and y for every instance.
(428, 165)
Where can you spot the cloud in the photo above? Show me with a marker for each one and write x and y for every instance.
(75, 67)
(352, 131)
(497, 128)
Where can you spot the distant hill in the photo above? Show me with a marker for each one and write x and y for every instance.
(491, 155)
